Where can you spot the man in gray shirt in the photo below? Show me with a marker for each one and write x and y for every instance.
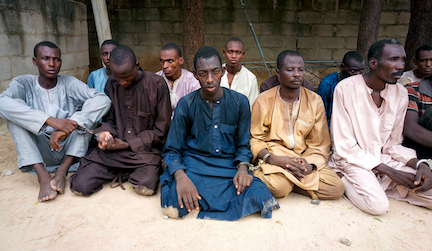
(44, 116)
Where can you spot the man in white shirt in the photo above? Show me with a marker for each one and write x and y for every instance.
(237, 77)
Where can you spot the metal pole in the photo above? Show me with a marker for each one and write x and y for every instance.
(254, 34)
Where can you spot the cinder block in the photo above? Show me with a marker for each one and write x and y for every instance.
(262, 28)
(10, 45)
(5, 69)
(27, 4)
(3, 26)
(38, 22)
(60, 41)
(288, 5)
(404, 18)
(273, 15)
(125, 39)
(207, 39)
(291, 16)
(68, 61)
(149, 39)
(352, 43)
(350, 5)
(332, 43)
(388, 17)
(13, 21)
(353, 17)
(310, 18)
(347, 30)
(335, 17)
(73, 44)
(84, 28)
(248, 41)
(271, 41)
(307, 42)
(290, 29)
(215, 28)
(305, 5)
(3, 86)
(82, 59)
(121, 14)
(240, 29)
(399, 5)
(323, 30)
(319, 54)
(171, 15)
(77, 27)
(69, 10)
(178, 28)
(160, 27)
(172, 38)
(240, 16)
(396, 31)
(23, 65)
(226, 15)
(29, 43)
(289, 43)
(55, 7)
(339, 54)
(130, 27)
(65, 26)
(324, 5)
(81, 11)
(84, 43)
(219, 40)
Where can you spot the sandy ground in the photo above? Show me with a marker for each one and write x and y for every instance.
(113, 219)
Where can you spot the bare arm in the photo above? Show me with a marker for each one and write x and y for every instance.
(415, 131)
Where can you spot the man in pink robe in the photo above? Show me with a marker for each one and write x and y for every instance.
(366, 127)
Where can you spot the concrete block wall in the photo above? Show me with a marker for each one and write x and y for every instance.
(318, 29)
(24, 23)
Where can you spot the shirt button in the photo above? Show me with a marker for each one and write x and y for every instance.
(215, 126)
(128, 131)
(128, 107)
(217, 150)
(217, 102)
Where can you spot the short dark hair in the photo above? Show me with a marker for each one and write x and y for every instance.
(283, 55)
(234, 39)
(425, 47)
(376, 49)
(207, 52)
(172, 46)
(354, 55)
(45, 43)
(110, 41)
(122, 55)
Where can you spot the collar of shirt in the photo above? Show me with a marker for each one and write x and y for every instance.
(425, 87)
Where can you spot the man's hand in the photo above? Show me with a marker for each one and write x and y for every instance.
(187, 194)
(298, 167)
(423, 174)
(55, 139)
(105, 140)
(64, 125)
(242, 179)
(400, 177)
(118, 144)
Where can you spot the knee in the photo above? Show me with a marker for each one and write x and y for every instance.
(335, 191)
(82, 187)
(149, 180)
(280, 189)
(377, 207)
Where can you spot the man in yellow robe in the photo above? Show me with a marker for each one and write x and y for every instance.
(290, 138)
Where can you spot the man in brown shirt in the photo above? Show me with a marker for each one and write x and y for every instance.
(132, 134)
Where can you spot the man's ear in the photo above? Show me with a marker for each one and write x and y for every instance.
(223, 70)
(415, 61)
(35, 61)
(181, 61)
(278, 74)
(342, 66)
(243, 54)
(137, 65)
(195, 75)
(223, 53)
(373, 63)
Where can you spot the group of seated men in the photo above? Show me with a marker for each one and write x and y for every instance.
(213, 143)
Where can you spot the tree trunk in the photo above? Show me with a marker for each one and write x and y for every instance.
(193, 30)
(369, 26)
(420, 27)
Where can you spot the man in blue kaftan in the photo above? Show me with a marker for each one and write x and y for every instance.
(207, 152)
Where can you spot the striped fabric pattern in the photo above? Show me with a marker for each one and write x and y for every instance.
(418, 102)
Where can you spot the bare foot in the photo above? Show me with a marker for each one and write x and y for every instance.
(46, 192)
(58, 183)
(170, 212)
(142, 190)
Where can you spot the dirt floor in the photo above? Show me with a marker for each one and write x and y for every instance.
(113, 219)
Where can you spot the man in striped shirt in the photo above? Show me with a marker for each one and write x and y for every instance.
(418, 120)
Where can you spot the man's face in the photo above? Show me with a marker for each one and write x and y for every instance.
(125, 74)
(170, 62)
(292, 72)
(424, 63)
(209, 73)
(48, 61)
(351, 68)
(392, 63)
(105, 53)
(233, 53)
